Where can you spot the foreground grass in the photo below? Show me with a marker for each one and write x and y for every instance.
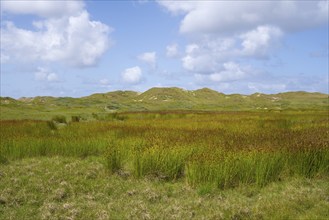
(72, 188)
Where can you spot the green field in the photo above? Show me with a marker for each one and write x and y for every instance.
(171, 156)
(166, 153)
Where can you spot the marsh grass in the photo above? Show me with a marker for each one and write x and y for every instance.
(222, 150)
(309, 163)
(114, 157)
(162, 163)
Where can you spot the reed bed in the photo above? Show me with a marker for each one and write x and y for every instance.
(223, 150)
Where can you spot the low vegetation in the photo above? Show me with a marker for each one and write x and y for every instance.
(221, 150)
(74, 188)
(88, 158)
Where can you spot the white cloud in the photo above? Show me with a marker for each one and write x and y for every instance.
(148, 57)
(43, 74)
(72, 39)
(222, 17)
(132, 75)
(208, 55)
(257, 42)
(201, 63)
(42, 8)
(172, 50)
(231, 71)
(227, 31)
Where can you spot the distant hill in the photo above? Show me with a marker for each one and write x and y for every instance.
(156, 99)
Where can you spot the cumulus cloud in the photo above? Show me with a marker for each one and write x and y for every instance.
(172, 51)
(67, 36)
(148, 57)
(43, 74)
(257, 42)
(222, 17)
(42, 8)
(231, 71)
(212, 54)
(198, 60)
(208, 55)
(224, 32)
(132, 75)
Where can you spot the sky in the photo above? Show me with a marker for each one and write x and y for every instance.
(77, 48)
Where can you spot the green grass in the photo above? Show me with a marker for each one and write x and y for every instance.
(72, 188)
(167, 165)
(224, 150)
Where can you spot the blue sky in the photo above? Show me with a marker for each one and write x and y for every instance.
(76, 48)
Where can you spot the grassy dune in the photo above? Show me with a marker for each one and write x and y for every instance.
(157, 99)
